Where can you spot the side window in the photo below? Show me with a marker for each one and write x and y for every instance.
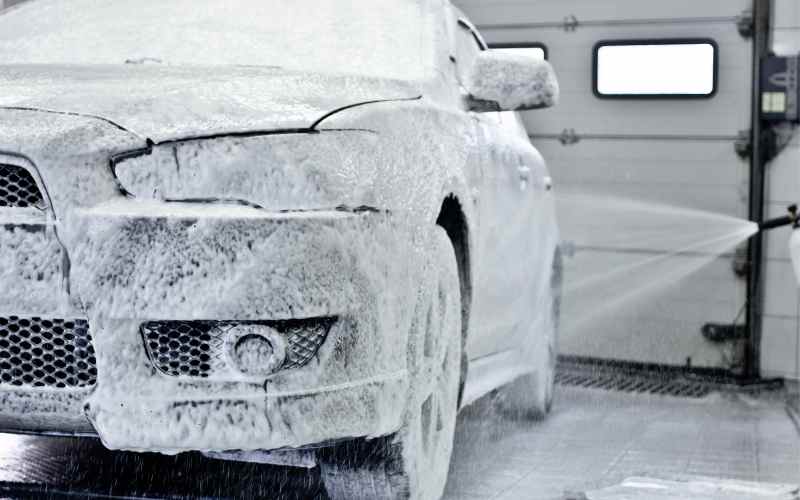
(533, 49)
(467, 50)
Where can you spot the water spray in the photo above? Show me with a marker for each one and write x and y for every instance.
(717, 332)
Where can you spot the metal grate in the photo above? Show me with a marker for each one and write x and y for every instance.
(18, 189)
(37, 352)
(633, 377)
(636, 384)
(195, 348)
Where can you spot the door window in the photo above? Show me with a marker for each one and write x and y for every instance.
(655, 68)
(533, 49)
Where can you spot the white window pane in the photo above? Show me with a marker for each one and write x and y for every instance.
(537, 52)
(658, 69)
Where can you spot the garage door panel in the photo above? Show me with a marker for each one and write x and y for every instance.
(723, 33)
(625, 149)
(620, 171)
(705, 176)
(692, 314)
(685, 195)
(658, 340)
(702, 163)
(567, 51)
(588, 270)
(589, 119)
(586, 114)
(571, 55)
(661, 324)
(572, 60)
(554, 11)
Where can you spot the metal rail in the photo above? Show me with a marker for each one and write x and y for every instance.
(571, 22)
(762, 11)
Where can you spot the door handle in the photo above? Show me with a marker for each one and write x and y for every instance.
(524, 176)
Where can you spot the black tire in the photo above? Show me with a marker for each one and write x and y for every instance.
(413, 463)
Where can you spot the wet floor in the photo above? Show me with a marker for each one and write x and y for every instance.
(597, 438)
(594, 438)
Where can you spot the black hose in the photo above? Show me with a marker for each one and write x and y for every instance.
(786, 220)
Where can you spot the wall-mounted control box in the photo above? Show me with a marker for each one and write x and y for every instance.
(780, 93)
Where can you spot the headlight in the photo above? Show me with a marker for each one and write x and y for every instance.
(275, 172)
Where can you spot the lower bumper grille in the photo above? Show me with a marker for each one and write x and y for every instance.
(196, 348)
(18, 189)
(39, 352)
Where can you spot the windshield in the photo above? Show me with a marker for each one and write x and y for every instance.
(380, 38)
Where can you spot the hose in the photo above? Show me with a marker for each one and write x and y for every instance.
(786, 220)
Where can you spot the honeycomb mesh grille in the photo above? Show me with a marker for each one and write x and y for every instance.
(18, 189)
(303, 345)
(180, 348)
(196, 348)
(55, 353)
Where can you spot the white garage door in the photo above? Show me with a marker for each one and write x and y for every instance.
(677, 151)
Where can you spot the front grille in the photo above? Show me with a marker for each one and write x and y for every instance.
(55, 353)
(18, 189)
(195, 348)
(180, 348)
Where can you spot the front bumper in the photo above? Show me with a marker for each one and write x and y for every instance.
(134, 262)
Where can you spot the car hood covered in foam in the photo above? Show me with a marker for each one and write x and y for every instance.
(167, 103)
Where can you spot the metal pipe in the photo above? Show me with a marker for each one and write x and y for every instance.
(761, 46)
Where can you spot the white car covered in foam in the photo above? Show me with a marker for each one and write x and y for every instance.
(311, 227)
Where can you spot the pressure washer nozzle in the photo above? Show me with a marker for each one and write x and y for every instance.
(786, 220)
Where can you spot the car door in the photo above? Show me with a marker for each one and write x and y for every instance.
(505, 274)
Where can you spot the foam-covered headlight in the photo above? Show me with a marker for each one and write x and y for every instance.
(277, 172)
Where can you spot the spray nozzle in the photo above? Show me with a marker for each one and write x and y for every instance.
(786, 220)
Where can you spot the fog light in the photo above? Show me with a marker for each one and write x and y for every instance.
(256, 350)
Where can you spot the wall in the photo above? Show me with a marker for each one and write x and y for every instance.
(781, 328)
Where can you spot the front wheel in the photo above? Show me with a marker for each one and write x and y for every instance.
(413, 463)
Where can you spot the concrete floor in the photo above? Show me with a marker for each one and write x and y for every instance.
(597, 438)
(594, 438)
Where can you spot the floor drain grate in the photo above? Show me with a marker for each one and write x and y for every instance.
(648, 379)
(637, 384)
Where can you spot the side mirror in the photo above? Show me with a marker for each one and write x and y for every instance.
(502, 81)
